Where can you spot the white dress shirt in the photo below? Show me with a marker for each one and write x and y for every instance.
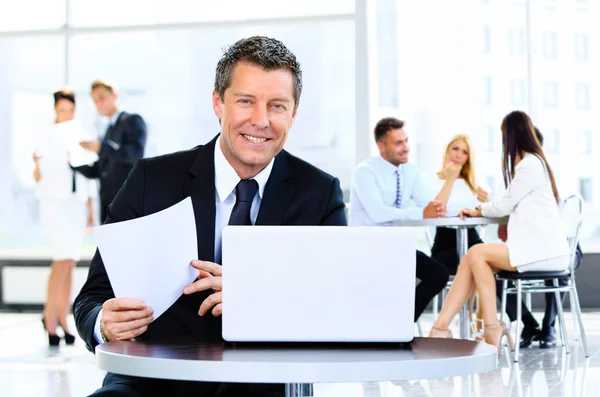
(226, 179)
(460, 197)
(373, 193)
(535, 229)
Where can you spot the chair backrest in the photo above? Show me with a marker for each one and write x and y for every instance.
(571, 211)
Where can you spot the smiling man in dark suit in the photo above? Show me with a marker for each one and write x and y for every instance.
(122, 146)
(241, 177)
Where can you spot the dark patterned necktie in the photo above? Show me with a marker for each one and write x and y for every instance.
(244, 194)
(398, 202)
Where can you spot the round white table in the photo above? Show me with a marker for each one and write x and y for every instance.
(462, 246)
(298, 366)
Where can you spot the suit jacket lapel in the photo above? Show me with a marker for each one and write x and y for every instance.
(201, 188)
(277, 194)
(115, 133)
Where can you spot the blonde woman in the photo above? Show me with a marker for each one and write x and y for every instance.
(66, 208)
(458, 189)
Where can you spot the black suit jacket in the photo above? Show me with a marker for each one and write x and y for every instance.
(122, 146)
(296, 193)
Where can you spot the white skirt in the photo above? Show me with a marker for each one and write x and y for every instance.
(555, 264)
(64, 221)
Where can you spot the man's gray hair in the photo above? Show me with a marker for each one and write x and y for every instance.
(265, 52)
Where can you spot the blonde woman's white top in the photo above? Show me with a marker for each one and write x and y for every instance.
(460, 197)
(535, 229)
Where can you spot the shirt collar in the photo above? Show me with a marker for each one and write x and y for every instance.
(389, 167)
(226, 179)
(115, 117)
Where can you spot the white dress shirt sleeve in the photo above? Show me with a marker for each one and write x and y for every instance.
(370, 197)
(421, 195)
(97, 332)
(529, 175)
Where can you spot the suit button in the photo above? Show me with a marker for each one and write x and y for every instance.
(103, 175)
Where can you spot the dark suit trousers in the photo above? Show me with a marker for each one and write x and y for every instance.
(104, 202)
(444, 246)
(433, 276)
(128, 386)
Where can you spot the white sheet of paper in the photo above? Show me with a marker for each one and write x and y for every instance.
(149, 258)
(72, 133)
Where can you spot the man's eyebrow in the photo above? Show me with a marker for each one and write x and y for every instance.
(243, 94)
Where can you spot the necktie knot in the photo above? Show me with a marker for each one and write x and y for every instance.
(246, 190)
(244, 194)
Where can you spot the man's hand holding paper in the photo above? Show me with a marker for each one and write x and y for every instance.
(210, 277)
(147, 260)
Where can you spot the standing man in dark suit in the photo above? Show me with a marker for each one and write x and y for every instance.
(122, 146)
(241, 177)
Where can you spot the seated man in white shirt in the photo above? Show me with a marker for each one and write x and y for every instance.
(386, 188)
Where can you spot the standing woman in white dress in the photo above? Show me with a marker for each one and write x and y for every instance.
(536, 237)
(66, 208)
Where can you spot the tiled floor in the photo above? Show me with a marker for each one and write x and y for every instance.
(29, 368)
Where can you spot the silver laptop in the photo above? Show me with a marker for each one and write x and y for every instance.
(318, 284)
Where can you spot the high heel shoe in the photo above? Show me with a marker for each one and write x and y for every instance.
(53, 340)
(446, 330)
(69, 338)
(505, 333)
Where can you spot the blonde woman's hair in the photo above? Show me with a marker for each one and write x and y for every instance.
(468, 170)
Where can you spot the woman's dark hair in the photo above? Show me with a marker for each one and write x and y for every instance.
(64, 94)
(518, 138)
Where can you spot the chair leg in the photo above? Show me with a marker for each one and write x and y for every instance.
(561, 318)
(577, 311)
(574, 316)
(503, 303)
(434, 303)
(518, 327)
(528, 301)
(419, 328)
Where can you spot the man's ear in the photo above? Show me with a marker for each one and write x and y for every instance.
(217, 105)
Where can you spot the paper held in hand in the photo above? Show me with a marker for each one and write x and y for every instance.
(148, 258)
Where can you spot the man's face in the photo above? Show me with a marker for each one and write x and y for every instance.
(394, 146)
(256, 113)
(104, 100)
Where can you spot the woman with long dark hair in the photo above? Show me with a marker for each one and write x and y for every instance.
(536, 236)
(66, 208)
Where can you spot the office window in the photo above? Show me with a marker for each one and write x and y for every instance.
(581, 5)
(584, 142)
(487, 40)
(387, 54)
(549, 4)
(581, 47)
(551, 140)
(135, 12)
(487, 90)
(492, 136)
(19, 15)
(516, 42)
(550, 95)
(586, 189)
(517, 92)
(549, 45)
(582, 96)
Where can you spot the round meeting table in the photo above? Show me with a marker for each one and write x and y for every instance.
(299, 365)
